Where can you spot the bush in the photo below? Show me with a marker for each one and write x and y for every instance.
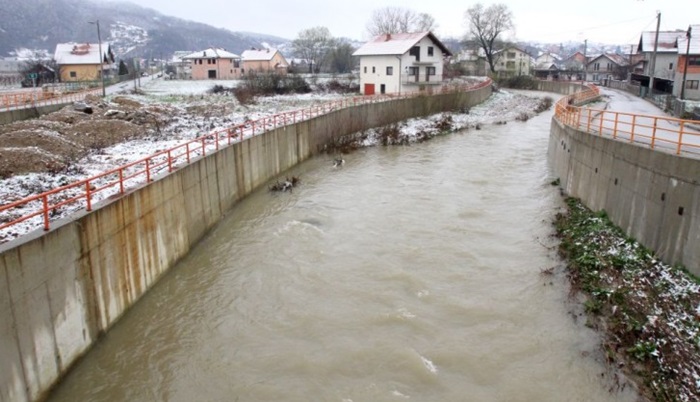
(267, 84)
(519, 82)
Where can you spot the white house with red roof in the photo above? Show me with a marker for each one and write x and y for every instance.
(264, 60)
(82, 61)
(214, 64)
(401, 63)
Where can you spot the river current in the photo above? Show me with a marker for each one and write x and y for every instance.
(411, 273)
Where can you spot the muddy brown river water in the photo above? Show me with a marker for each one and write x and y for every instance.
(411, 273)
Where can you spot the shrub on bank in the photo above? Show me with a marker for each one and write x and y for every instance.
(518, 82)
(648, 311)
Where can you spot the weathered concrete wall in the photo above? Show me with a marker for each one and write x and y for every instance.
(60, 290)
(560, 87)
(8, 116)
(653, 196)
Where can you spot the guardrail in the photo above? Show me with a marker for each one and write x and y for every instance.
(38, 210)
(657, 132)
(41, 98)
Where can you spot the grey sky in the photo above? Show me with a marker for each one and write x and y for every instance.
(608, 21)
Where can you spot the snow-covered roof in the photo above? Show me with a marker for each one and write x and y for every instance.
(615, 58)
(211, 53)
(81, 53)
(258, 54)
(667, 41)
(397, 44)
(694, 41)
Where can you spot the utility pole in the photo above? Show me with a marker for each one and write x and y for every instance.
(652, 65)
(102, 61)
(585, 60)
(688, 35)
(629, 77)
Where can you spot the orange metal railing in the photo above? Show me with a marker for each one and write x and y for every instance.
(18, 100)
(679, 136)
(38, 210)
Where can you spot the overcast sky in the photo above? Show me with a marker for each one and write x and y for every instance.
(606, 21)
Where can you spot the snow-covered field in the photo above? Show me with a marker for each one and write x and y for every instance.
(195, 113)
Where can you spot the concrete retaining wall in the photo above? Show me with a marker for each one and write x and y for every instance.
(9, 116)
(653, 196)
(61, 290)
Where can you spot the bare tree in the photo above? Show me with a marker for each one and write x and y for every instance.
(314, 45)
(391, 20)
(486, 25)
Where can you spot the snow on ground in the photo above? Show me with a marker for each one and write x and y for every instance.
(195, 114)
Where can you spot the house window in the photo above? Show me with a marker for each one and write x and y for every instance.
(430, 70)
(415, 51)
(365, 69)
(694, 61)
(390, 70)
(596, 67)
(511, 55)
(692, 84)
(413, 71)
(510, 65)
(670, 66)
(609, 66)
(374, 69)
(73, 74)
(430, 50)
(236, 64)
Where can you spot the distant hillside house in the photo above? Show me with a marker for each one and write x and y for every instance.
(82, 61)
(264, 60)
(401, 63)
(607, 66)
(214, 64)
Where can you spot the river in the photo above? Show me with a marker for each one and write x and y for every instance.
(409, 273)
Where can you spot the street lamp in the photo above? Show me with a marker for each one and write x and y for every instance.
(99, 44)
(687, 55)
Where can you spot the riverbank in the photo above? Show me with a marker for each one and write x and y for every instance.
(647, 312)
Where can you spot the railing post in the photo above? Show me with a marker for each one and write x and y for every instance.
(187, 149)
(653, 132)
(617, 117)
(204, 147)
(121, 180)
(45, 200)
(148, 170)
(88, 195)
(634, 123)
(600, 128)
(170, 162)
(680, 138)
(590, 116)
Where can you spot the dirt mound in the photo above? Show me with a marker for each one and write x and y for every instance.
(127, 102)
(67, 115)
(27, 160)
(36, 124)
(103, 133)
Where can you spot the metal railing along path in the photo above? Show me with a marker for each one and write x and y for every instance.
(656, 132)
(21, 100)
(38, 210)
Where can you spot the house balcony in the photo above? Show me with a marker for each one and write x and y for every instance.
(423, 63)
(422, 79)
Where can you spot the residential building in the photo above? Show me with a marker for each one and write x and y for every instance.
(83, 61)
(214, 64)
(401, 63)
(264, 60)
(666, 59)
(512, 61)
(471, 62)
(607, 66)
(178, 67)
(692, 75)
(547, 66)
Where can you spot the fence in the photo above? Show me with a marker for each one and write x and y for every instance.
(15, 100)
(38, 210)
(657, 132)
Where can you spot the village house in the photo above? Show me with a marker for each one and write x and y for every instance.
(607, 66)
(82, 61)
(264, 60)
(214, 64)
(547, 66)
(688, 45)
(401, 63)
(511, 61)
(666, 59)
